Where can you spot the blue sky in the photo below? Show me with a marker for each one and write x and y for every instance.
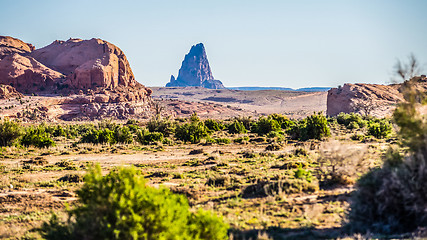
(283, 43)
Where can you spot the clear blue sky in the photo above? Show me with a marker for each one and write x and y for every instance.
(282, 43)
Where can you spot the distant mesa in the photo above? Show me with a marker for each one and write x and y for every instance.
(195, 71)
(72, 66)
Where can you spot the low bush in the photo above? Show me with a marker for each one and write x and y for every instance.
(213, 125)
(351, 120)
(120, 205)
(265, 125)
(191, 132)
(123, 135)
(283, 121)
(236, 127)
(311, 127)
(146, 137)
(379, 128)
(162, 125)
(10, 131)
(38, 137)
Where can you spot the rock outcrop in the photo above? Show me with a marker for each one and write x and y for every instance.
(195, 71)
(88, 64)
(373, 99)
(21, 71)
(10, 45)
(7, 91)
(94, 73)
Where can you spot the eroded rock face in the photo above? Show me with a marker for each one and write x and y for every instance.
(26, 74)
(7, 91)
(96, 70)
(88, 64)
(373, 99)
(195, 71)
(10, 45)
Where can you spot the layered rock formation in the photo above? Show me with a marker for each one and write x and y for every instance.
(373, 99)
(21, 71)
(195, 71)
(7, 91)
(95, 69)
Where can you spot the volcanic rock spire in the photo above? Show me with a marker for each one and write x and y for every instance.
(195, 71)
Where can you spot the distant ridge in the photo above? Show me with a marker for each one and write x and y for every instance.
(310, 89)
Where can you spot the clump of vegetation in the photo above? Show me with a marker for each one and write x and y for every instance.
(283, 121)
(10, 131)
(265, 125)
(339, 164)
(120, 205)
(311, 127)
(236, 127)
(99, 136)
(162, 125)
(213, 125)
(392, 199)
(263, 188)
(38, 137)
(145, 137)
(192, 132)
(351, 120)
(379, 128)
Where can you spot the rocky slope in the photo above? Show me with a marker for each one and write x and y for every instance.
(195, 71)
(373, 99)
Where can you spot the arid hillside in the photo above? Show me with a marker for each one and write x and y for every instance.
(292, 103)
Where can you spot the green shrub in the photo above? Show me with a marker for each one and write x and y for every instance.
(120, 205)
(265, 125)
(162, 125)
(236, 127)
(283, 121)
(213, 125)
(351, 120)
(10, 131)
(192, 132)
(37, 137)
(99, 136)
(311, 127)
(145, 137)
(123, 135)
(379, 128)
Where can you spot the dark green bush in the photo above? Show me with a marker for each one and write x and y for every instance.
(213, 125)
(99, 136)
(38, 137)
(265, 125)
(192, 132)
(283, 121)
(145, 137)
(379, 128)
(311, 127)
(351, 120)
(236, 127)
(123, 135)
(120, 205)
(10, 131)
